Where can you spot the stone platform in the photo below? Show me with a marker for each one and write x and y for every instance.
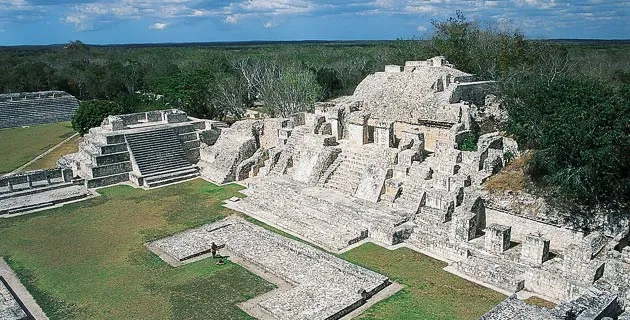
(323, 216)
(321, 286)
(19, 202)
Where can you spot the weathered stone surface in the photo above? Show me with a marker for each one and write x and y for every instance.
(514, 309)
(32, 108)
(10, 309)
(323, 286)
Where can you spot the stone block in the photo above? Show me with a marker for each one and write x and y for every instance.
(535, 250)
(383, 133)
(393, 68)
(357, 133)
(497, 238)
(175, 116)
(284, 133)
(407, 157)
(465, 227)
(326, 129)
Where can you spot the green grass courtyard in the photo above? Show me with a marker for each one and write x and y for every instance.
(20, 145)
(87, 261)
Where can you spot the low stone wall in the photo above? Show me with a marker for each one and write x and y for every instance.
(498, 274)
(560, 238)
(35, 176)
(108, 180)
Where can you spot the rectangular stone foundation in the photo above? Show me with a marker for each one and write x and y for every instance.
(322, 285)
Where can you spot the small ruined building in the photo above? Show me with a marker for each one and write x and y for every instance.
(32, 108)
(148, 149)
(383, 165)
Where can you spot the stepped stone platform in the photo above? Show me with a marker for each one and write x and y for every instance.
(322, 286)
(323, 216)
(149, 149)
(32, 108)
(39, 189)
(29, 201)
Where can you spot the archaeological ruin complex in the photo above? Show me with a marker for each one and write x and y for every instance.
(383, 165)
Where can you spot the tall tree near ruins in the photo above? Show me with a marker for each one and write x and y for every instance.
(288, 89)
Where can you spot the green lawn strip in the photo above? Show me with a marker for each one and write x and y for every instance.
(87, 260)
(430, 292)
(20, 145)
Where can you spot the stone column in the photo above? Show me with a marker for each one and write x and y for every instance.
(497, 238)
(535, 250)
(29, 181)
(48, 180)
(10, 186)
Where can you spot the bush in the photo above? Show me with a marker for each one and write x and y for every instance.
(580, 128)
(91, 113)
(469, 143)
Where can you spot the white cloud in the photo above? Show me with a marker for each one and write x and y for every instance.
(232, 19)
(270, 24)
(421, 28)
(80, 21)
(158, 26)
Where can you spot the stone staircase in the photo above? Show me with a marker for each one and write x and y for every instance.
(32, 110)
(286, 156)
(411, 196)
(346, 173)
(159, 157)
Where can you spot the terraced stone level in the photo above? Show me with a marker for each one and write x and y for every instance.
(328, 218)
(323, 286)
(36, 108)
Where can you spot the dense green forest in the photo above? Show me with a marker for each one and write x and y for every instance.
(567, 100)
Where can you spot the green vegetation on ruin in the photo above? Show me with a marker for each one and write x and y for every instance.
(20, 145)
(87, 260)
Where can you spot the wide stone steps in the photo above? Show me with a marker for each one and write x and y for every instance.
(37, 111)
(331, 224)
(157, 151)
(172, 176)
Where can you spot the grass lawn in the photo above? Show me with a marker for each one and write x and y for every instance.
(50, 160)
(87, 260)
(20, 145)
(430, 292)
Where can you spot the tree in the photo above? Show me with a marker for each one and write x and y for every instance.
(287, 89)
(91, 113)
(491, 53)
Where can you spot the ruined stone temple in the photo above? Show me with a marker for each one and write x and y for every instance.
(382, 165)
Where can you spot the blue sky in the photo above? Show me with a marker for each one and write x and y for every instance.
(144, 21)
